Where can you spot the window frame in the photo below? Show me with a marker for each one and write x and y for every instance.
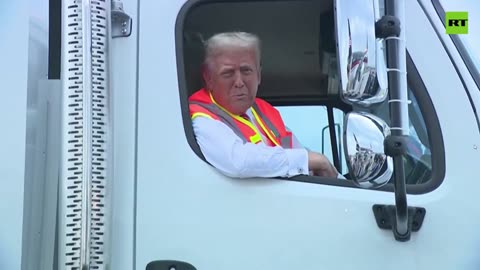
(414, 81)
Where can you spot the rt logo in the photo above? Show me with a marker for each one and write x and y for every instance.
(457, 22)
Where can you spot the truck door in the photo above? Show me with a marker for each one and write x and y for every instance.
(186, 211)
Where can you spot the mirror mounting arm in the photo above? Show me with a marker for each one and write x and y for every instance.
(400, 218)
(387, 26)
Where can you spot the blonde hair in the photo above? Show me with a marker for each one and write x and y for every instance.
(227, 40)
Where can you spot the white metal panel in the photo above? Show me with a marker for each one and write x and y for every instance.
(445, 226)
(440, 28)
(41, 176)
(50, 91)
(123, 72)
(187, 211)
(40, 193)
(14, 32)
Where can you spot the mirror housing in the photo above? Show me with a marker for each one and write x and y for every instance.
(364, 136)
(361, 58)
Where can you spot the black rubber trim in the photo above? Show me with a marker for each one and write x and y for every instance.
(333, 139)
(168, 265)
(54, 39)
(414, 80)
(182, 85)
(434, 131)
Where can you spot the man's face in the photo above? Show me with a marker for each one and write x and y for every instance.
(233, 77)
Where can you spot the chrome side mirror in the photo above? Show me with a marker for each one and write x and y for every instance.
(363, 74)
(367, 162)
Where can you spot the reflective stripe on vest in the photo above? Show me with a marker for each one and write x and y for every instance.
(225, 118)
(228, 119)
(257, 137)
(208, 105)
(285, 142)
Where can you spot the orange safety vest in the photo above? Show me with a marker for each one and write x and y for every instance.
(201, 103)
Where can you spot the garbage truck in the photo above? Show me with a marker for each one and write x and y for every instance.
(100, 168)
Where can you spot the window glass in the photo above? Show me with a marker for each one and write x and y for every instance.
(306, 123)
(311, 127)
(418, 161)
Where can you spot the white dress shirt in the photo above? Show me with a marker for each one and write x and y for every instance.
(228, 153)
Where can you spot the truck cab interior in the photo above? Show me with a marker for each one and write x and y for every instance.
(295, 37)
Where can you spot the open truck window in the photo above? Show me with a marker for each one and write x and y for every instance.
(299, 77)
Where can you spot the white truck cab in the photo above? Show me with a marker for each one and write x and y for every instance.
(101, 170)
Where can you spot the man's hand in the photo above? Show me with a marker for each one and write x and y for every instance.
(320, 166)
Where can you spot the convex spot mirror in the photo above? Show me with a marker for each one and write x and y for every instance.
(361, 58)
(363, 139)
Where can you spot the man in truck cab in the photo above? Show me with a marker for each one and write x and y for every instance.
(239, 134)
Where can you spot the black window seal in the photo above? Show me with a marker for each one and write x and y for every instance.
(472, 69)
(414, 79)
(333, 139)
(54, 39)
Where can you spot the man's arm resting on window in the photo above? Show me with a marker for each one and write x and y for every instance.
(314, 159)
(229, 154)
